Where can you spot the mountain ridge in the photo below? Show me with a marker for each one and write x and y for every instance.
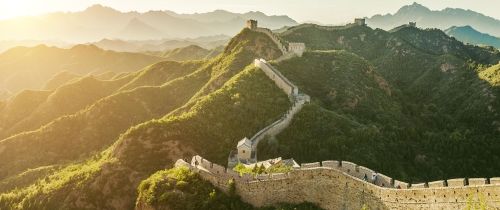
(98, 22)
(31, 67)
(468, 34)
(427, 18)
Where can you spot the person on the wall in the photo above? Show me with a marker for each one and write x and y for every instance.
(374, 178)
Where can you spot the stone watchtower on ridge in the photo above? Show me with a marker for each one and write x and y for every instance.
(252, 24)
(360, 21)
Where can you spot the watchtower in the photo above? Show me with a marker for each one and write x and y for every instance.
(360, 21)
(244, 148)
(413, 24)
(252, 24)
(297, 48)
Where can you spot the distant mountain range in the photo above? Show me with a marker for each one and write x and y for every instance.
(442, 19)
(208, 42)
(98, 22)
(467, 34)
(31, 67)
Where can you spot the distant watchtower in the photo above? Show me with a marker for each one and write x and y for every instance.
(252, 24)
(360, 21)
(413, 24)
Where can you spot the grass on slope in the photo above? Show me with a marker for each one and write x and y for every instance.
(101, 123)
(75, 136)
(60, 79)
(162, 72)
(20, 107)
(240, 52)
(83, 93)
(491, 74)
(211, 128)
(49, 191)
(191, 52)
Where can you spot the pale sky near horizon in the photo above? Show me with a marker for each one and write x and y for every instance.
(324, 11)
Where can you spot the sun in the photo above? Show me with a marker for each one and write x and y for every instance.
(15, 8)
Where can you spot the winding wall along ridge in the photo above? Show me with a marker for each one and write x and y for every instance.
(338, 184)
(335, 185)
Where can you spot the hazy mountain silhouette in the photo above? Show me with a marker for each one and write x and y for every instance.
(208, 42)
(31, 67)
(137, 29)
(467, 34)
(98, 22)
(442, 19)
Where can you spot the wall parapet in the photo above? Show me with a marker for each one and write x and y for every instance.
(328, 183)
(287, 49)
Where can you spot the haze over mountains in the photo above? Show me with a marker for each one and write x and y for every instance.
(468, 34)
(31, 67)
(98, 22)
(442, 19)
(208, 42)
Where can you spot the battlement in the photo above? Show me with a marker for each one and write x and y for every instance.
(252, 24)
(341, 185)
(360, 21)
(279, 125)
(287, 49)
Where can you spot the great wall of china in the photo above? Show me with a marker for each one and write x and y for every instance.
(337, 184)
(341, 185)
(289, 50)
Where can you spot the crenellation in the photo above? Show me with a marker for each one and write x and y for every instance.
(495, 180)
(476, 181)
(348, 167)
(419, 185)
(330, 163)
(456, 182)
(435, 184)
(364, 173)
(288, 50)
(206, 164)
(331, 187)
(383, 180)
(400, 185)
(311, 165)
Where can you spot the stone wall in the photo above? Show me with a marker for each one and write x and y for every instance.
(281, 44)
(293, 93)
(281, 81)
(278, 126)
(328, 185)
(288, 50)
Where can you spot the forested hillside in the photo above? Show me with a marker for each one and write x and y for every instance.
(439, 117)
(236, 100)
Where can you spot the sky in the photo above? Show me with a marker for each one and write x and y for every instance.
(323, 11)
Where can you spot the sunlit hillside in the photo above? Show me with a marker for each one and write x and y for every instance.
(152, 109)
(32, 67)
